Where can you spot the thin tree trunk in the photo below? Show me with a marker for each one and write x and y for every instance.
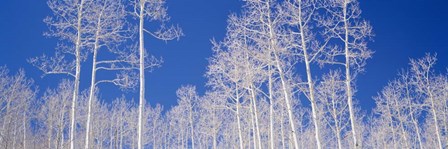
(121, 130)
(309, 79)
(60, 135)
(273, 45)
(50, 131)
(24, 128)
(389, 112)
(238, 118)
(445, 122)
(92, 82)
(288, 105)
(403, 131)
(7, 117)
(254, 137)
(434, 113)
(182, 139)
(417, 131)
(336, 121)
(271, 110)
(255, 113)
(14, 140)
(191, 126)
(214, 140)
(142, 76)
(281, 128)
(414, 121)
(348, 78)
(62, 140)
(77, 75)
(153, 132)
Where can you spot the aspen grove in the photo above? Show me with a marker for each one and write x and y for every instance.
(284, 76)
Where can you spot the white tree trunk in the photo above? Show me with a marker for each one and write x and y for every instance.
(403, 131)
(153, 132)
(311, 93)
(240, 137)
(282, 78)
(142, 76)
(273, 46)
(191, 126)
(214, 141)
(414, 121)
(254, 136)
(348, 78)
(309, 79)
(92, 83)
(417, 130)
(271, 110)
(50, 131)
(77, 76)
(336, 122)
(281, 128)
(287, 101)
(391, 123)
(255, 113)
(61, 125)
(24, 128)
(435, 118)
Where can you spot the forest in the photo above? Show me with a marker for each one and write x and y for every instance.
(284, 76)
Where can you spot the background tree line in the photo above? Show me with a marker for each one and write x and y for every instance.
(284, 76)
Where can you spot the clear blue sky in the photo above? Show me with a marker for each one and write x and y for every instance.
(404, 29)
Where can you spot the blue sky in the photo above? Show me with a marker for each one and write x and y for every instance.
(404, 29)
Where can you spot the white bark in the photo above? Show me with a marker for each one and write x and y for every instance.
(191, 125)
(309, 78)
(435, 117)
(77, 74)
(271, 110)
(238, 119)
(142, 75)
(24, 124)
(279, 68)
(92, 83)
(255, 113)
(348, 78)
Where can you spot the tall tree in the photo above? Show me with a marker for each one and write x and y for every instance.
(342, 22)
(331, 97)
(16, 96)
(431, 87)
(411, 107)
(187, 99)
(153, 10)
(68, 24)
(267, 31)
(226, 74)
(107, 31)
(300, 17)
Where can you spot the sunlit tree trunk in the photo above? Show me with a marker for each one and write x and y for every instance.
(142, 74)
(24, 124)
(77, 75)
(348, 78)
(434, 113)
(238, 119)
(309, 78)
(271, 110)
(283, 83)
(255, 113)
(92, 82)
(190, 115)
(336, 122)
(254, 136)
